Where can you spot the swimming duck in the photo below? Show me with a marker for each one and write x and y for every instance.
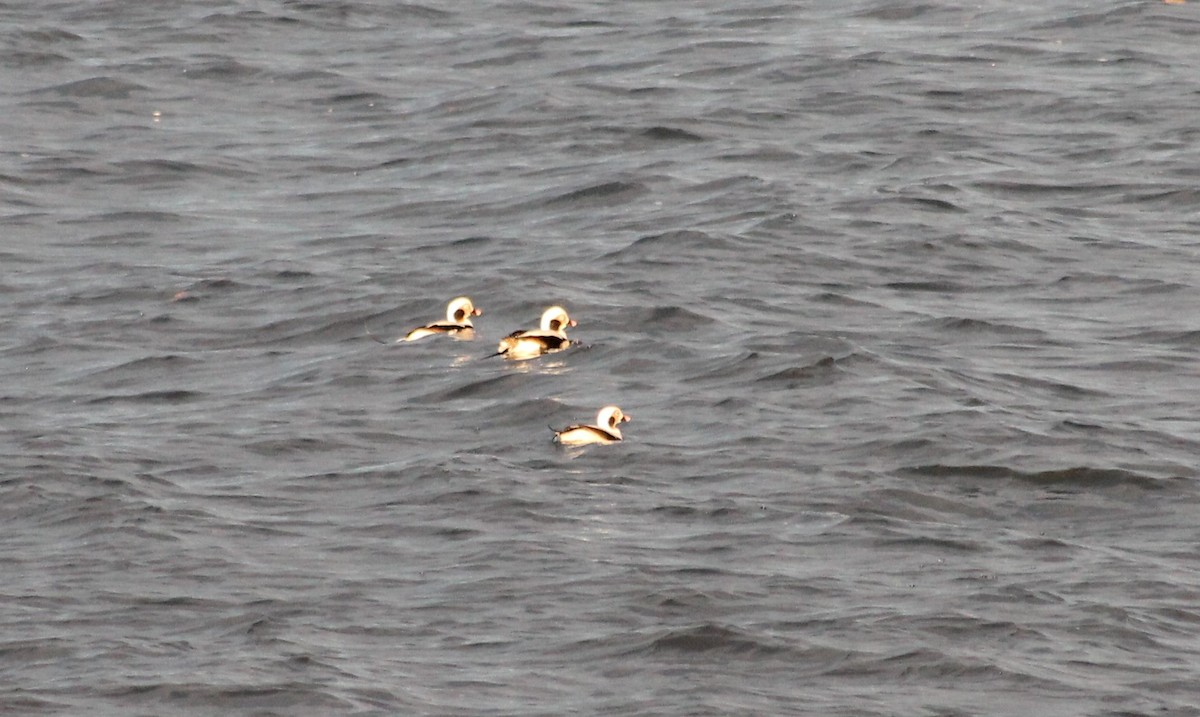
(551, 336)
(458, 322)
(606, 430)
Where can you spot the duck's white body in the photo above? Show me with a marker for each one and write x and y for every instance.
(549, 337)
(458, 322)
(606, 430)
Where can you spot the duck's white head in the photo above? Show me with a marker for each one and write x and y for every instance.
(611, 418)
(556, 319)
(459, 311)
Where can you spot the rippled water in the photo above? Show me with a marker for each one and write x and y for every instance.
(902, 299)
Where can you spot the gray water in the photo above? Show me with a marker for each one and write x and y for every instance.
(902, 299)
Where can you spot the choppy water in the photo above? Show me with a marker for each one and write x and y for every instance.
(902, 298)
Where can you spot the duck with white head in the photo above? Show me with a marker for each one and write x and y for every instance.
(607, 429)
(457, 324)
(549, 337)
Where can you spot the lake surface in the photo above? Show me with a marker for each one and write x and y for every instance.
(903, 299)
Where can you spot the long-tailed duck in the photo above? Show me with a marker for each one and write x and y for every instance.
(551, 336)
(606, 430)
(458, 322)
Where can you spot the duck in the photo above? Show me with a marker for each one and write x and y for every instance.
(550, 336)
(458, 322)
(606, 430)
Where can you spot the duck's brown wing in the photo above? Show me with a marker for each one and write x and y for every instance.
(550, 341)
(432, 329)
(581, 433)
